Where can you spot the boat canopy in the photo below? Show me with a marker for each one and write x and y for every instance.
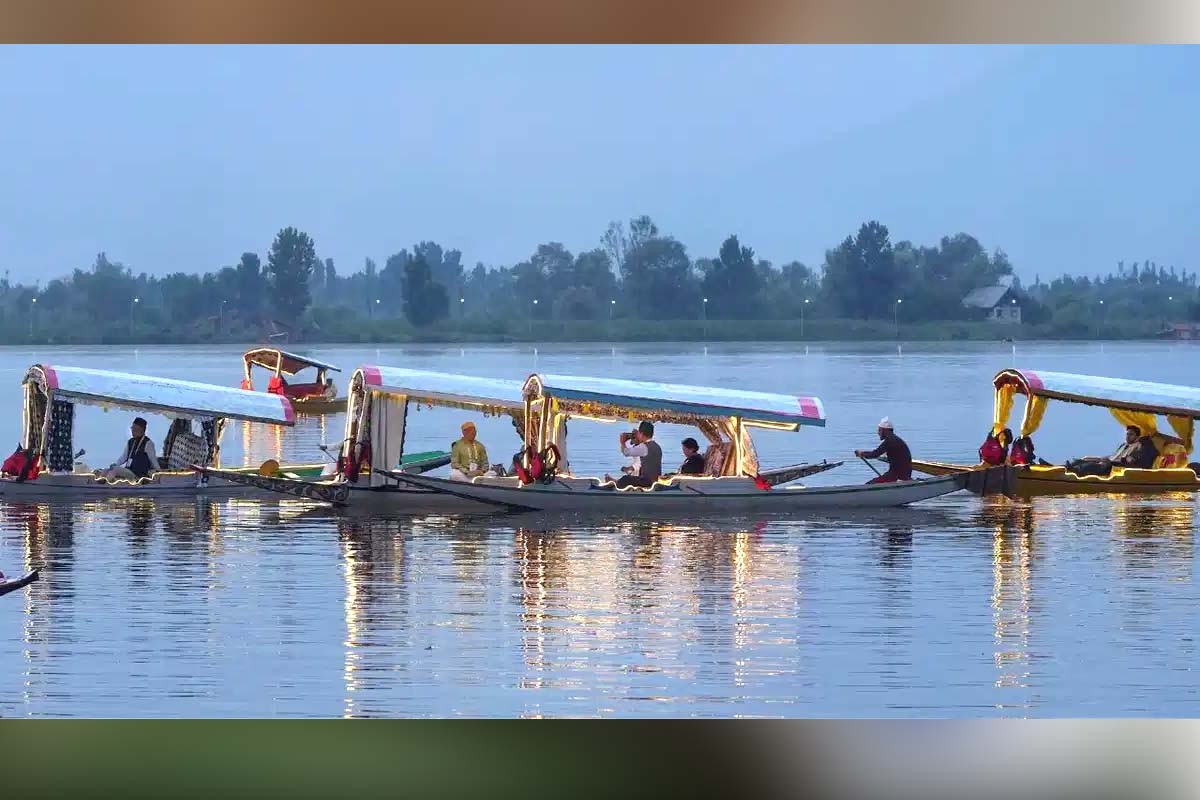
(283, 362)
(172, 398)
(380, 397)
(611, 398)
(443, 388)
(1130, 402)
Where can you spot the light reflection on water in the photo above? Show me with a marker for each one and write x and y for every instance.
(961, 607)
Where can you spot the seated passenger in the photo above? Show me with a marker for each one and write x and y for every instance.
(993, 450)
(693, 462)
(1137, 452)
(1022, 453)
(647, 455)
(468, 456)
(137, 459)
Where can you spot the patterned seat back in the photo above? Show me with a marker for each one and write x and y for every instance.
(187, 449)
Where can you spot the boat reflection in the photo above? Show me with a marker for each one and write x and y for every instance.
(1013, 527)
(375, 604)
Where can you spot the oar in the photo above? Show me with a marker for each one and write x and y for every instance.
(872, 466)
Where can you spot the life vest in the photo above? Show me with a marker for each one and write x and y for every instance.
(1020, 456)
(543, 466)
(276, 385)
(351, 468)
(139, 462)
(991, 452)
(22, 465)
(761, 483)
(247, 385)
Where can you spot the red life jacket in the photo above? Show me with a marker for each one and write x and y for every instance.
(276, 385)
(351, 467)
(1018, 457)
(991, 452)
(22, 465)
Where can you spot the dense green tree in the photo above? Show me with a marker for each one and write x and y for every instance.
(733, 283)
(290, 264)
(425, 300)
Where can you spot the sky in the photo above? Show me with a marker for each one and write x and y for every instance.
(1069, 158)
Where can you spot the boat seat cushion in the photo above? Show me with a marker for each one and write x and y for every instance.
(1172, 456)
(187, 449)
(714, 459)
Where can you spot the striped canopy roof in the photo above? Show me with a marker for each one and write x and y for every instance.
(161, 395)
(695, 401)
(287, 363)
(442, 387)
(1158, 398)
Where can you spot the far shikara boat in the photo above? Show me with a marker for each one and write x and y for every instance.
(1137, 403)
(733, 481)
(52, 392)
(317, 397)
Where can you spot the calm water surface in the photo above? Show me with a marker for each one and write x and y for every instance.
(958, 607)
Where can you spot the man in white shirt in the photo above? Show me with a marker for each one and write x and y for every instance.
(647, 457)
(138, 460)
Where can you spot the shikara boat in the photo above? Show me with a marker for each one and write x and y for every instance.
(378, 410)
(1131, 403)
(317, 397)
(733, 481)
(52, 392)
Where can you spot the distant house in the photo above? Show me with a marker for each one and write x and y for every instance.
(1181, 330)
(998, 303)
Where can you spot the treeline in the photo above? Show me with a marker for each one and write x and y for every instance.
(637, 278)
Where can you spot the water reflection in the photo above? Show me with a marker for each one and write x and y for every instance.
(254, 607)
(376, 600)
(1013, 555)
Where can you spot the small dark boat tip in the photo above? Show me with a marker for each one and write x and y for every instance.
(12, 584)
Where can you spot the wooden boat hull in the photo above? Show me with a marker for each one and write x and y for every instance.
(576, 495)
(335, 405)
(12, 584)
(1037, 481)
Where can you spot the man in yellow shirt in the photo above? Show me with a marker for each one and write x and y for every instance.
(468, 457)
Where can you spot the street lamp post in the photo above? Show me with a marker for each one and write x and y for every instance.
(803, 306)
(704, 316)
(32, 313)
(1100, 320)
(535, 302)
(132, 306)
(897, 320)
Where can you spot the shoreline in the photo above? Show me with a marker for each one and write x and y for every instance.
(616, 331)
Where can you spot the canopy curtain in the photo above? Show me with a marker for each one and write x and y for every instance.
(1144, 420)
(1004, 405)
(1185, 428)
(1035, 409)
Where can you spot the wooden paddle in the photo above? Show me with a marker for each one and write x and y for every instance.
(872, 466)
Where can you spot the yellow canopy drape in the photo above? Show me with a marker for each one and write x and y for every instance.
(1144, 420)
(1035, 409)
(1003, 409)
(1184, 427)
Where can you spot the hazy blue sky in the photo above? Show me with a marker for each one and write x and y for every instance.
(1068, 158)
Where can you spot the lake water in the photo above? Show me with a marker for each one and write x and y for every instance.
(960, 607)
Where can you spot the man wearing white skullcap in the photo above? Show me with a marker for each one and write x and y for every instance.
(899, 457)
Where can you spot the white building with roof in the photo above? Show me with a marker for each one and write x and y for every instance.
(1000, 303)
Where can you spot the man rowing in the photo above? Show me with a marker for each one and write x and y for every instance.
(899, 457)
